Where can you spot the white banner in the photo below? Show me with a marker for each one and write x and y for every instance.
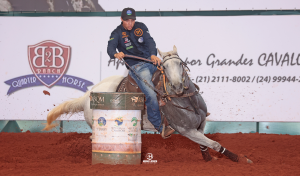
(260, 84)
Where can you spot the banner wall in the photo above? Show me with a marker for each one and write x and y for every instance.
(153, 5)
(246, 67)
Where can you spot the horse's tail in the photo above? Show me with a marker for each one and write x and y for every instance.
(71, 106)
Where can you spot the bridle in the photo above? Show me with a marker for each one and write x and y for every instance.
(175, 56)
(183, 64)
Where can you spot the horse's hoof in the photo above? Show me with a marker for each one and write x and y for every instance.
(167, 131)
(243, 159)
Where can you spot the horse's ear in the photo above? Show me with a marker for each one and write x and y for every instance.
(174, 49)
(160, 53)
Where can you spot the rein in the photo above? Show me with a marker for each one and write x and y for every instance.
(161, 69)
(136, 57)
(149, 85)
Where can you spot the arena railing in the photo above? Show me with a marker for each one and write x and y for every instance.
(156, 13)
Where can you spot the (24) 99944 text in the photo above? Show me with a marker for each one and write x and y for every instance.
(246, 79)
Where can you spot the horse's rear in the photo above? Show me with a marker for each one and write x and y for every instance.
(82, 103)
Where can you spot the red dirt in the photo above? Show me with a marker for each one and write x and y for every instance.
(46, 92)
(70, 154)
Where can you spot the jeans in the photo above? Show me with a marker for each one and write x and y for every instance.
(145, 71)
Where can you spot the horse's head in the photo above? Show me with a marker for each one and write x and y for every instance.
(173, 69)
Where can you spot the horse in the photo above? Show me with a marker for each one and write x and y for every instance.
(181, 105)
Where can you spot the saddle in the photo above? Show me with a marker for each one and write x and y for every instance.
(128, 84)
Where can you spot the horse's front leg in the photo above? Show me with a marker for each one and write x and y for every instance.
(199, 138)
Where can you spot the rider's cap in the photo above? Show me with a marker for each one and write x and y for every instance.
(128, 13)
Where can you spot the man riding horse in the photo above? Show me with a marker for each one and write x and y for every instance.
(180, 103)
(133, 38)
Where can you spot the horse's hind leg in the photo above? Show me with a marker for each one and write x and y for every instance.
(199, 138)
(204, 149)
(202, 126)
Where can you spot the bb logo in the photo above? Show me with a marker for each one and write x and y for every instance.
(138, 32)
(48, 61)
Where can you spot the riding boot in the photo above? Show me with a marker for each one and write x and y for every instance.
(167, 131)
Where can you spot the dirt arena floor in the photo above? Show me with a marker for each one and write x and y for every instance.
(70, 154)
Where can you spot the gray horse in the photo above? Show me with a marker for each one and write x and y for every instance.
(186, 110)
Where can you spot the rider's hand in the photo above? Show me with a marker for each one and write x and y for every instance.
(155, 60)
(119, 55)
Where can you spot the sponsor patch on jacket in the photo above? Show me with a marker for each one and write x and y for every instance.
(124, 35)
(126, 40)
(141, 39)
(138, 32)
(110, 39)
(129, 47)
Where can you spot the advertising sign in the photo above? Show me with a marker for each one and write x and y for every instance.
(247, 67)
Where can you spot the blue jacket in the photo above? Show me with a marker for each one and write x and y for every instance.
(137, 42)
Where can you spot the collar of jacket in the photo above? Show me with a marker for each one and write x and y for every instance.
(122, 27)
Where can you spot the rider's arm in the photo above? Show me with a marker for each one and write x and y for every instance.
(112, 44)
(149, 41)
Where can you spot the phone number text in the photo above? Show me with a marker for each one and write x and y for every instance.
(246, 79)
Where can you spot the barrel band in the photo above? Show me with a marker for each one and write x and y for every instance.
(129, 143)
(121, 152)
